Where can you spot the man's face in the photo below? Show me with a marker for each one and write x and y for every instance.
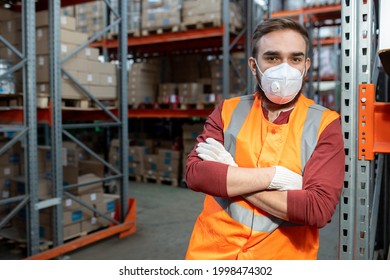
(279, 47)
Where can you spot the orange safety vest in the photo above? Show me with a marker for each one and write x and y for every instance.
(232, 228)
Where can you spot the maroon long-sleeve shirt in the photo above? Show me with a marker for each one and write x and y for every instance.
(322, 181)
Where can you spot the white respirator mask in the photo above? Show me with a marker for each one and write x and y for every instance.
(281, 83)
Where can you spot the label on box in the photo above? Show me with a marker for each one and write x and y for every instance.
(89, 77)
(41, 60)
(68, 202)
(7, 171)
(64, 21)
(109, 79)
(5, 194)
(93, 220)
(88, 52)
(42, 87)
(39, 33)
(92, 197)
(64, 48)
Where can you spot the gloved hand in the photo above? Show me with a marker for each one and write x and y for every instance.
(212, 150)
(285, 179)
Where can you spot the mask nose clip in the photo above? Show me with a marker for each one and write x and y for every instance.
(275, 87)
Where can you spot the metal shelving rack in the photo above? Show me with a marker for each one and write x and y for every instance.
(27, 131)
(30, 117)
(126, 223)
(363, 174)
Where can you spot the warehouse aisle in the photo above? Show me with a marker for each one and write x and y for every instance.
(165, 216)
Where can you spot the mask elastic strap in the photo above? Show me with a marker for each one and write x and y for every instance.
(262, 74)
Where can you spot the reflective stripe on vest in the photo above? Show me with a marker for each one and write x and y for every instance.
(309, 141)
(236, 121)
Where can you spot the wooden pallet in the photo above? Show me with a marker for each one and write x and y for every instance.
(160, 180)
(207, 24)
(13, 237)
(130, 34)
(88, 104)
(200, 25)
(144, 105)
(160, 30)
(135, 178)
(11, 100)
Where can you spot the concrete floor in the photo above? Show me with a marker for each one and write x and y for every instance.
(165, 217)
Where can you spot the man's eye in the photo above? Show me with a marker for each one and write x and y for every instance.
(296, 59)
(272, 59)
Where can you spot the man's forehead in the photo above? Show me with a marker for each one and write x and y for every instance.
(282, 42)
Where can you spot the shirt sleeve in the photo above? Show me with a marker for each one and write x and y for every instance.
(322, 181)
(207, 176)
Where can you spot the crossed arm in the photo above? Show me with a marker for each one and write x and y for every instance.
(313, 205)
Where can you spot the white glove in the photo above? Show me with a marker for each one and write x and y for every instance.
(212, 150)
(285, 179)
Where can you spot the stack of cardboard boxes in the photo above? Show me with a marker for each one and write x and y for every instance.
(10, 30)
(201, 14)
(9, 169)
(168, 165)
(144, 78)
(96, 77)
(237, 86)
(76, 218)
(89, 17)
(159, 15)
(133, 17)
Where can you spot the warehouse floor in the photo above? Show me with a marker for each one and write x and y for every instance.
(165, 217)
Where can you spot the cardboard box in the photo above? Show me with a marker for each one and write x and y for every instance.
(5, 188)
(104, 92)
(79, 64)
(91, 166)
(69, 40)
(136, 168)
(86, 189)
(71, 205)
(74, 153)
(73, 216)
(7, 14)
(70, 175)
(66, 22)
(89, 53)
(9, 170)
(169, 165)
(192, 131)
(45, 189)
(137, 153)
(151, 164)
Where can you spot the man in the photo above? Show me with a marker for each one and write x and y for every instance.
(271, 164)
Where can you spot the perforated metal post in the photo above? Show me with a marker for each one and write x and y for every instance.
(30, 121)
(56, 130)
(356, 53)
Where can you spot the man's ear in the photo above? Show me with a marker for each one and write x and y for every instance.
(252, 66)
(307, 65)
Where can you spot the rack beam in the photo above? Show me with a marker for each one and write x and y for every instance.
(374, 118)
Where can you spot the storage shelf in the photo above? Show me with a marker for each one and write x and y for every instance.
(327, 12)
(15, 115)
(194, 39)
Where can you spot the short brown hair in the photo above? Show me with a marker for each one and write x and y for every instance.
(275, 24)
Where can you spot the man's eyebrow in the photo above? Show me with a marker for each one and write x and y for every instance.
(276, 53)
(298, 54)
(271, 53)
